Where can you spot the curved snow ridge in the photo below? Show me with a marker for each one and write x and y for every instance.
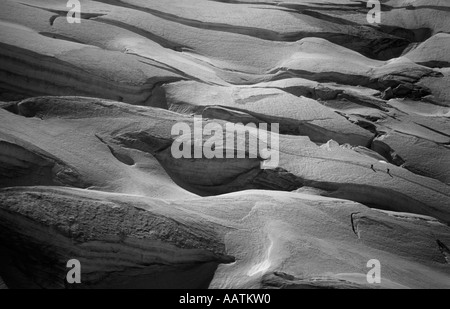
(107, 236)
(295, 115)
(413, 150)
(23, 164)
(319, 130)
(417, 14)
(387, 199)
(62, 128)
(314, 60)
(74, 69)
(60, 78)
(434, 52)
(398, 191)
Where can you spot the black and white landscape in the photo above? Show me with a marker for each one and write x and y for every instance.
(88, 171)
